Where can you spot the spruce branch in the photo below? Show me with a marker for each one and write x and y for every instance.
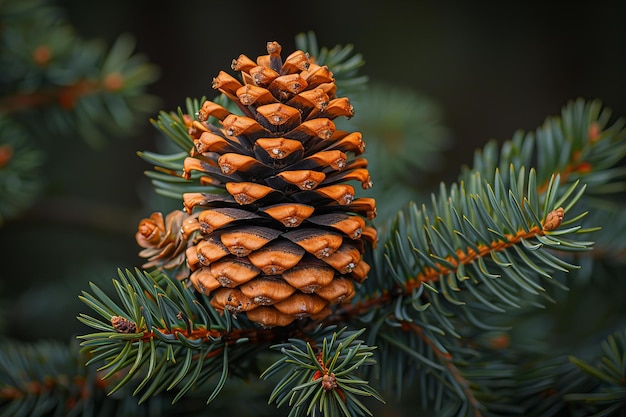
(489, 245)
(160, 337)
(582, 143)
(608, 396)
(68, 84)
(478, 234)
(49, 378)
(502, 216)
(318, 376)
(20, 170)
(43, 378)
(54, 85)
(165, 335)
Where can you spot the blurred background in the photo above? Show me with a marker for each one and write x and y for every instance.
(490, 68)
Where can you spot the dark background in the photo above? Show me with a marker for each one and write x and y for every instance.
(492, 68)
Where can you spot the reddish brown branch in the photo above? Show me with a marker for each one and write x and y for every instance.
(49, 384)
(433, 274)
(255, 335)
(65, 96)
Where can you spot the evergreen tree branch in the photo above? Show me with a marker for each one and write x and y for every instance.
(39, 378)
(66, 96)
(20, 166)
(318, 376)
(609, 394)
(49, 378)
(580, 144)
(68, 84)
(159, 337)
(159, 321)
(525, 218)
(453, 250)
(511, 226)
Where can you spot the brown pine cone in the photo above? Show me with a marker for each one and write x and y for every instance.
(284, 238)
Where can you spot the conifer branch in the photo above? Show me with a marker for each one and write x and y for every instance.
(510, 227)
(318, 375)
(67, 83)
(20, 164)
(159, 319)
(582, 144)
(29, 389)
(172, 331)
(609, 393)
(66, 96)
(54, 83)
(452, 247)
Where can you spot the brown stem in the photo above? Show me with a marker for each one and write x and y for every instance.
(37, 388)
(269, 335)
(65, 96)
(430, 274)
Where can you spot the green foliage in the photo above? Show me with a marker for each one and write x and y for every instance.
(165, 351)
(41, 378)
(496, 225)
(447, 298)
(167, 177)
(609, 395)
(55, 85)
(49, 378)
(319, 380)
(581, 144)
(20, 174)
(179, 343)
(69, 85)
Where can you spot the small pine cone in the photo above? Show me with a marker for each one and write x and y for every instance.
(165, 242)
(286, 238)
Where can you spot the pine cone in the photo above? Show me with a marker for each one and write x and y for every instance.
(286, 238)
(164, 241)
